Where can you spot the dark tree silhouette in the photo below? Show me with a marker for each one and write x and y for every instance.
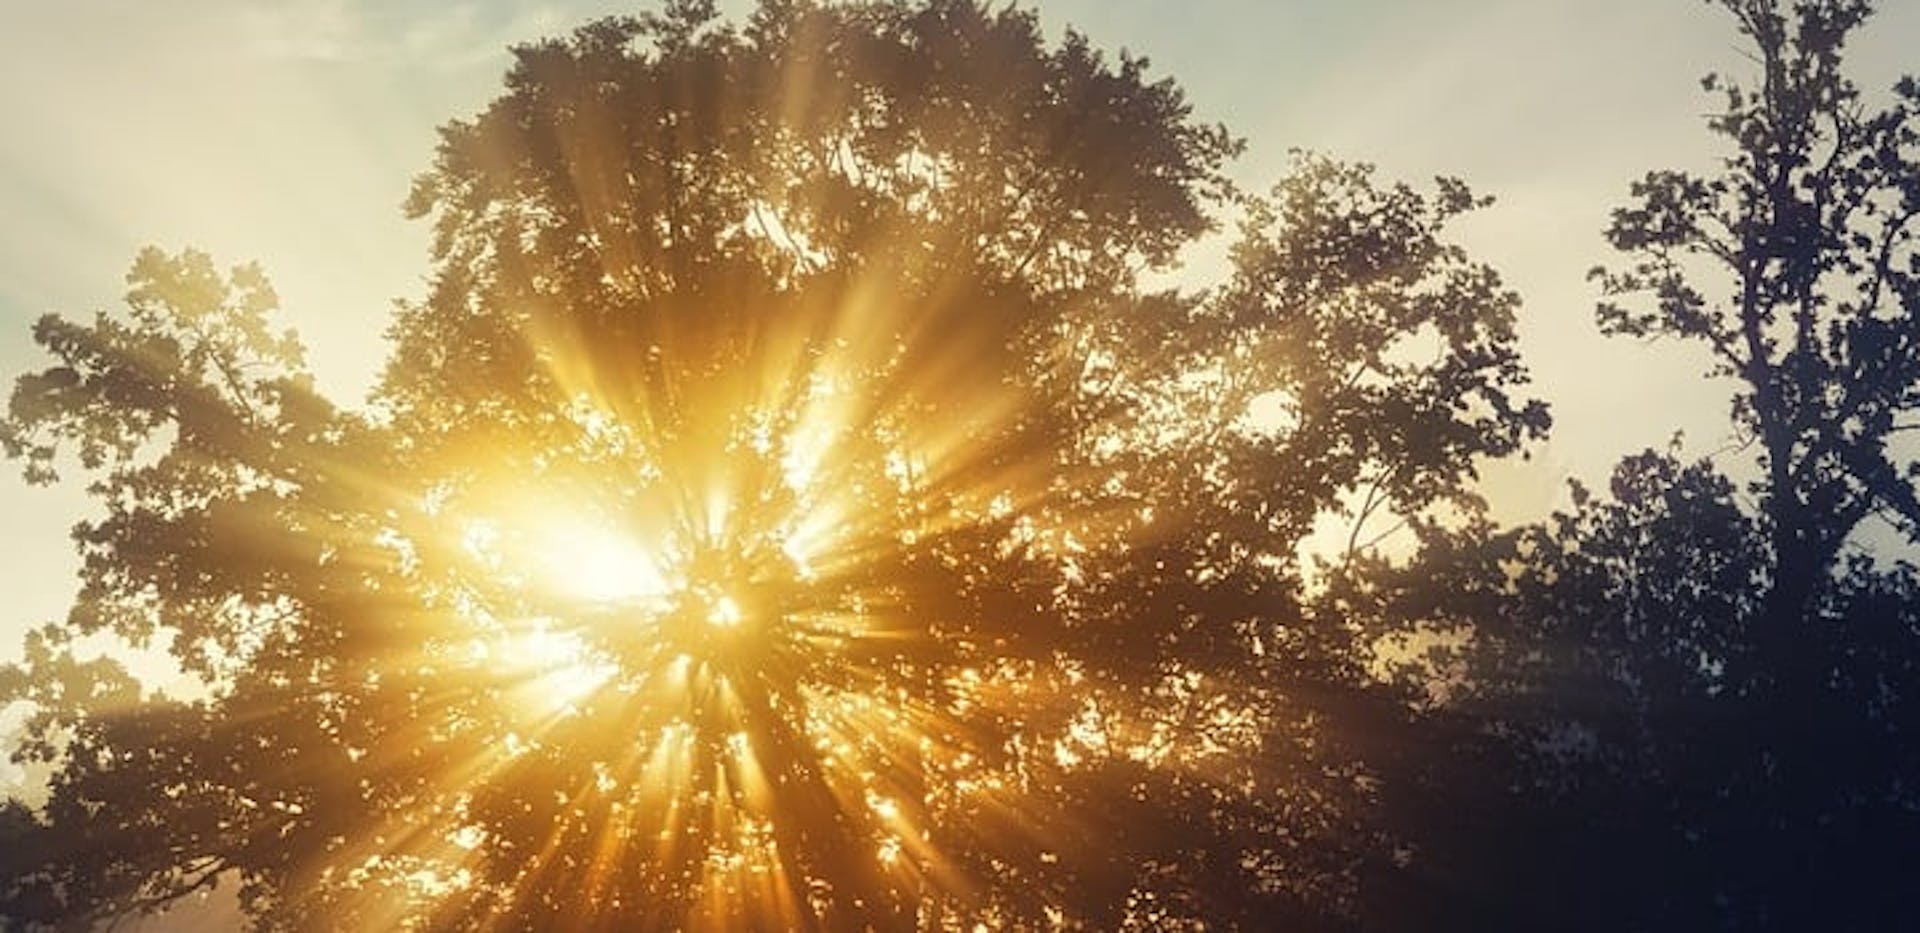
(1686, 707)
(1809, 294)
(786, 510)
(1814, 310)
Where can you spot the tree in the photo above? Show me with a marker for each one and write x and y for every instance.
(1689, 702)
(1571, 744)
(1810, 230)
(786, 509)
(1814, 311)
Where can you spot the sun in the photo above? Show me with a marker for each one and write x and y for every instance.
(722, 658)
(583, 559)
(724, 651)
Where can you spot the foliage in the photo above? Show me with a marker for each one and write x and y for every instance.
(1684, 705)
(1809, 231)
(1809, 292)
(785, 509)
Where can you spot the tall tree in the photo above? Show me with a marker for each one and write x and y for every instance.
(1797, 267)
(1690, 705)
(786, 509)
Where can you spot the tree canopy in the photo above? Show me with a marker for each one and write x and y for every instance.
(786, 508)
(1698, 687)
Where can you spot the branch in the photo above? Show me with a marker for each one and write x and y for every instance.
(209, 869)
(1367, 507)
(1882, 263)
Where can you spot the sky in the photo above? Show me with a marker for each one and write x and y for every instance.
(287, 132)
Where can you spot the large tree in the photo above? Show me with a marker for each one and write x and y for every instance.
(786, 509)
(1691, 701)
(1796, 265)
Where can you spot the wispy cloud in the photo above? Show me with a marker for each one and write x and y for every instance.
(409, 33)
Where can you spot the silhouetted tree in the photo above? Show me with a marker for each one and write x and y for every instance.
(1684, 707)
(1813, 308)
(1570, 678)
(786, 509)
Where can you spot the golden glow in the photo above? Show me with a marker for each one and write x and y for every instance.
(566, 669)
(595, 564)
(714, 651)
(725, 613)
(704, 654)
(698, 632)
(705, 664)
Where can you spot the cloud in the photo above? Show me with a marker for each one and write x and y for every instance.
(313, 30)
(411, 34)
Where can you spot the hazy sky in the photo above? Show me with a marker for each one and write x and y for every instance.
(287, 132)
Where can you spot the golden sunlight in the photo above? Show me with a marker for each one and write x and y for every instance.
(878, 465)
(699, 627)
(560, 667)
(586, 561)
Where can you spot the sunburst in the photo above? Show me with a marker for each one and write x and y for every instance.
(708, 637)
